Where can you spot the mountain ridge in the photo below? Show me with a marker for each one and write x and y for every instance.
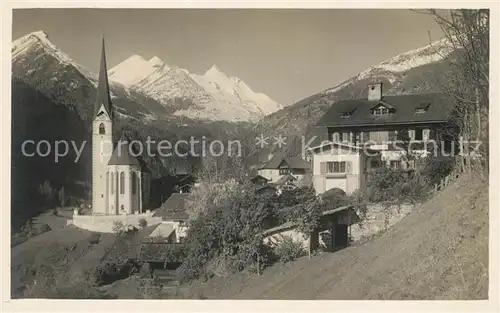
(173, 91)
(223, 97)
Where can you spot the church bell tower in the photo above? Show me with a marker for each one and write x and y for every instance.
(102, 140)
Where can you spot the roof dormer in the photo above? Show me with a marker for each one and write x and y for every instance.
(422, 108)
(382, 109)
(347, 113)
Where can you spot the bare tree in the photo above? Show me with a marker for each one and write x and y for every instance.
(467, 33)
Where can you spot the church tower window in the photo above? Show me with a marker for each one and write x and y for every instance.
(122, 183)
(102, 129)
(134, 183)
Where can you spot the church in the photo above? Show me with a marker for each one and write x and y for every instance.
(120, 181)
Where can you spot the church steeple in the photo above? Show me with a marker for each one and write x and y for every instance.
(103, 95)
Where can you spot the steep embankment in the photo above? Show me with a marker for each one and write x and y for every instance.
(439, 251)
(67, 250)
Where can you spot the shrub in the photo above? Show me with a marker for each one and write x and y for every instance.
(303, 207)
(118, 261)
(41, 228)
(143, 223)
(94, 238)
(31, 229)
(288, 250)
(433, 168)
(57, 285)
(118, 227)
(226, 233)
(395, 186)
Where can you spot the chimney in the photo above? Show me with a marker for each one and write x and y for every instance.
(375, 92)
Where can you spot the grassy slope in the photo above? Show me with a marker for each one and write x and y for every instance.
(439, 251)
(67, 249)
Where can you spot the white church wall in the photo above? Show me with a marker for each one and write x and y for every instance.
(105, 223)
(126, 202)
(101, 153)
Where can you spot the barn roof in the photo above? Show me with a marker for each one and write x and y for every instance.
(174, 208)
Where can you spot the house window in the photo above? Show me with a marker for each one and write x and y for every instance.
(335, 167)
(379, 136)
(284, 171)
(396, 164)
(122, 183)
(357, 137)
(102, 129)
(419, 134)
(381, 110)
(344, 137)
(134, 183)
(345, 114)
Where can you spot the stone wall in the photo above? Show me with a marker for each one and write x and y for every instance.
(379, 218)
(104, 223)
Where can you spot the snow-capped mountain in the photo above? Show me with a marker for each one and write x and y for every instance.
(38, 42)
(143, 89)
(417, 71)
(39, 63)
(393, 68)
(213, 95)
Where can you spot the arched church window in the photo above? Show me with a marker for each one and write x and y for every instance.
(107, 182)
(134, 183)
(102, 129)
(122, 183)
(112, 182)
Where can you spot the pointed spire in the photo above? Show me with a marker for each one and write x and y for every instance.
(103, 95)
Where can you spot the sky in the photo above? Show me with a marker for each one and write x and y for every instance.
(286, 54)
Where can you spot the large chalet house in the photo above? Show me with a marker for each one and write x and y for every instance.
(388, 126)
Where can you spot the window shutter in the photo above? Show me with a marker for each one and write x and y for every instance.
(348, 167)
(411, 134)
(366, 136)
(392, 135)
(425, 135)
(322, 167)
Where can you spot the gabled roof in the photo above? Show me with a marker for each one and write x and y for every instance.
(381, 102)
(259, 177)
(439, 111)
(270, 186)
(103, 96)
(297, 162)
(286, 178)
(292, 162)
(121, 154)
(174, 208)
(162, 230)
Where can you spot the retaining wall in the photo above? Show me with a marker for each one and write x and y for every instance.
(379, 218)
(104, 223)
